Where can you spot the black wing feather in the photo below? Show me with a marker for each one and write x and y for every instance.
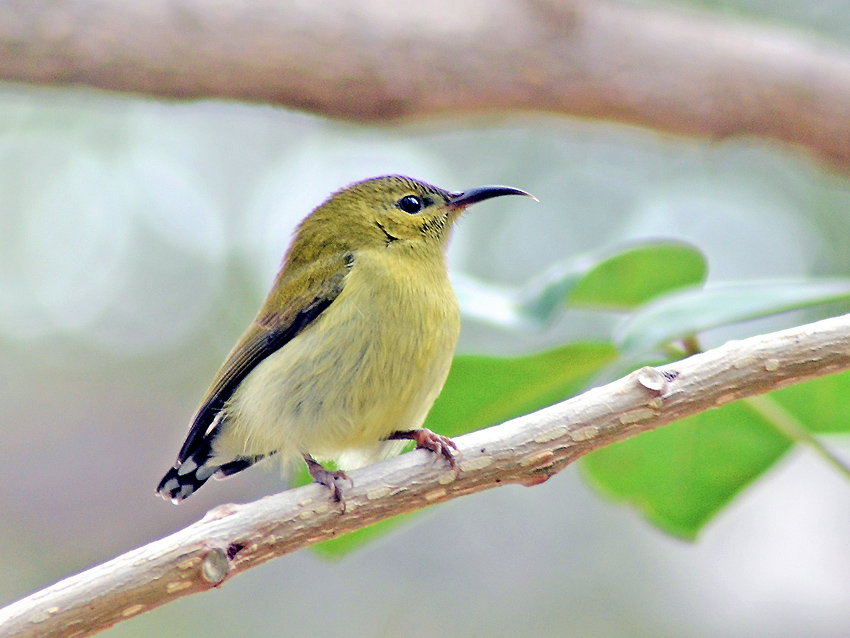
(272, 330)
(265, 345)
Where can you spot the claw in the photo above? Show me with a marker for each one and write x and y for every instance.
(429, 440)
(328, 479)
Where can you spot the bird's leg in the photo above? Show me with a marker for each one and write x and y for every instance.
(327, 478)
(437, 443)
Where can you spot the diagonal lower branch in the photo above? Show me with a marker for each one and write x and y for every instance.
(233, 538)
(375, 61)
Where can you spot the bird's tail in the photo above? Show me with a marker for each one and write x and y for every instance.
(182, 480)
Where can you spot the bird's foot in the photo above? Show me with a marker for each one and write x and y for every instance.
(328, 478)
(429, 440)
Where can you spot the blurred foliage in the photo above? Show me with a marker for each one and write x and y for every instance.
(636, 276)
(681, 475)
(481, 391)
(698, 309)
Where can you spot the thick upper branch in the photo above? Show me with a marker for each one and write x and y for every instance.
(527, 450)
(370, 60)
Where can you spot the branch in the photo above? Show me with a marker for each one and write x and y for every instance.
(366, 61)
(231, 539)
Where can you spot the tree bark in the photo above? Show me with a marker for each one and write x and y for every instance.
(373, 61)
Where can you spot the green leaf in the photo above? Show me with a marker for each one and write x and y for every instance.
(340, 546)
(681, 475)
(482, 391)
(821, 405)
(621, 281)
(635, 276)
(684, 313)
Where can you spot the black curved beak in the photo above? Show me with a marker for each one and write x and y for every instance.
(475, 195)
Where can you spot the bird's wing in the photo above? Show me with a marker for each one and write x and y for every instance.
(293, 305)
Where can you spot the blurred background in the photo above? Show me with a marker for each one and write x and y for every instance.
(138, 237)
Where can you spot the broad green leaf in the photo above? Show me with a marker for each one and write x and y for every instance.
(681, 475)
(482, 391)
(821, 405)
(688, 312)
(621, 281)
(635, 276)
(343, 545)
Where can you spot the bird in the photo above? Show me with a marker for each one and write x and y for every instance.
(350, 348)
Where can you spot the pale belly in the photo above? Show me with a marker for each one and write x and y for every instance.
(364, 370)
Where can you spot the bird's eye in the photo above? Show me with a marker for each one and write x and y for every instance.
(410, 204)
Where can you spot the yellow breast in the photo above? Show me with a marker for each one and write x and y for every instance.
(372, 363)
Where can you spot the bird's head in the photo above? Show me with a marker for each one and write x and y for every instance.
(392, 211)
